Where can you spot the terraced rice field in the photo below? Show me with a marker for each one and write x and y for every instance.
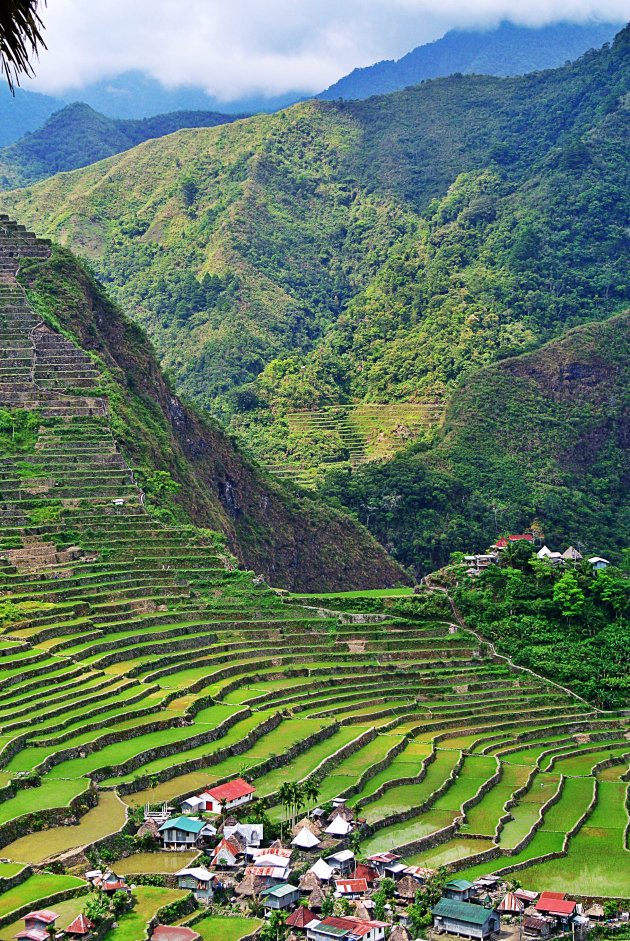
(364, 432)
(136, 660)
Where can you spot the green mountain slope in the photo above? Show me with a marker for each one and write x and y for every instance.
(541, 436)
(294, 215)
(377, 251)
(293, 539)
(77, 135)
(506, 50)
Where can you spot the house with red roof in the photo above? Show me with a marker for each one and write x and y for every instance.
(227, 796)
(504, 541)
(36, 925)
(300, 918)
(80, 927)
(351, 888)
(225, 854)
(346, 928)
(556, 905)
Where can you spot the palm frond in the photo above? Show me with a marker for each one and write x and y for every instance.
(21, 37)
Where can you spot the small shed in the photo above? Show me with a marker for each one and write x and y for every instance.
(280, 896)
(459, 889)
(536, 926)
(510, 905)
(464, 918)
(80, 927)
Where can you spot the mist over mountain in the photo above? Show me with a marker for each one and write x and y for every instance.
(506, 50)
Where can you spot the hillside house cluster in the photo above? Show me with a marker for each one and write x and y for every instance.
(570, 556)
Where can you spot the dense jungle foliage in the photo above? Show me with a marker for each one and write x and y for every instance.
(566, 622)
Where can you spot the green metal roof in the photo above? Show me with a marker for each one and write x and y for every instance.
(332, 930)
(280, 890)
(463, 911)
(184, 823)
(461, 884)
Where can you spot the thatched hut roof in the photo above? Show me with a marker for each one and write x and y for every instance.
(309, 881)
(316, 899)
(251, 885)
(360, 910)
(149, 828)
(407, 887)
(399, 933)
(309, 824)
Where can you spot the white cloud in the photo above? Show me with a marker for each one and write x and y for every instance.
(235, 47)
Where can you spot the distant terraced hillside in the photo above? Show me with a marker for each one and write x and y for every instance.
(137, 662)
(349, 435)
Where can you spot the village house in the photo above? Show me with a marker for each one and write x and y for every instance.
(227, 796)
(80, 927)
(465, 918)
(459, 889)
(109, 883)
(198, 880)
(536, 926)
(598, 564)
(305, 840)
(345, 928)
(322, 870)
(510, 904)
(300, 918)
(505, 541)
(341, 862)
(37, 925)
(252, 833)
(556, 905)
(280, 896)
(193, 805)
(184, 832)
(388, 865)
(351, 888)
(226, 854)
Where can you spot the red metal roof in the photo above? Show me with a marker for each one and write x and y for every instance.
(32, 934)
(228, 845)
(553, 895)
(357, 926)
(300, 917)
(44, 914)
(384, 857)
(351, 886)
(80, 925)
(361, 871)
(555, 906)
(231, 791)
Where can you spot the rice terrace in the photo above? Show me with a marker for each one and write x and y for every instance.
(140, 666)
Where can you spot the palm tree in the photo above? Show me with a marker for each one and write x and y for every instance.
(285, 794)
(21, 37)
(311, 790)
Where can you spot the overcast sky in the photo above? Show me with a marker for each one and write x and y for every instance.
(232, 48)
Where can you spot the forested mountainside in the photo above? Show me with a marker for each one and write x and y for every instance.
(377, 251)
(506, 50)
(187, 464)
(77, 135)
(540, 437)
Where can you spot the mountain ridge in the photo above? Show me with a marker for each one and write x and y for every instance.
(504, 51)
(77, 135)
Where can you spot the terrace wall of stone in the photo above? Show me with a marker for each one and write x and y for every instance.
(45, 819)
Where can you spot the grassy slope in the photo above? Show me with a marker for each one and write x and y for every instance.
(77, 135)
